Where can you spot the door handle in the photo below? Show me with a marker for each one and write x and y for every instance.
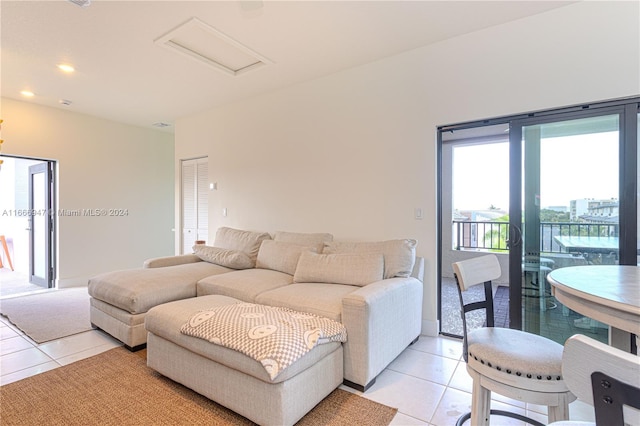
(517, 234)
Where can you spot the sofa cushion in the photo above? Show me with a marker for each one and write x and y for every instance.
(304, 239)
(244, 285)
(399, 255)
(344, 268)
(316, 298)
(138, 290)
(234, 259)
(245, 241)
(281, 256)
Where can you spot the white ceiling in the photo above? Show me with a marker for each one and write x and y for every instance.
(122, 75)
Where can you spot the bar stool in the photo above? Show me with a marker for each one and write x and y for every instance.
(604, 377)
(539, 267)
(512, 363)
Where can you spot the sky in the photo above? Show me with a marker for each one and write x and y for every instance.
(572, 167)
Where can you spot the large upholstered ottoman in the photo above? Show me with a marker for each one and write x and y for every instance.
(233, 379)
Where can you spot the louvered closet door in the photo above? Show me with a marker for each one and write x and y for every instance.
(195, 202)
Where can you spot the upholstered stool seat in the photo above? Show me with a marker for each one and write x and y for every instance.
(499, 354)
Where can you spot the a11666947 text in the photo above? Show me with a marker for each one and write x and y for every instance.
(24, 212)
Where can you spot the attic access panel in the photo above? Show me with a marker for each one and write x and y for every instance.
(208, 45)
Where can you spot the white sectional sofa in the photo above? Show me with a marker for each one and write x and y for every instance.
(373, 288)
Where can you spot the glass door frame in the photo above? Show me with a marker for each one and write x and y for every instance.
(45, 217)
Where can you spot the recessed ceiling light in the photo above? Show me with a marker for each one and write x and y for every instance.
(66, 67)
(27, 93)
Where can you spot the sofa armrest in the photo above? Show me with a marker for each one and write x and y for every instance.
(382, 319)
(160, 262)
(418, 269)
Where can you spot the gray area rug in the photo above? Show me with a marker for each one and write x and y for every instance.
(51, 315)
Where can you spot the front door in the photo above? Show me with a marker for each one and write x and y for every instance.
(41, 221)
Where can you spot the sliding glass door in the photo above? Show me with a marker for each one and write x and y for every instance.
(475, 188)
(572, 175)
(566, 212)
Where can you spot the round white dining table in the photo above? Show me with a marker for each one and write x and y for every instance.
(607, 293)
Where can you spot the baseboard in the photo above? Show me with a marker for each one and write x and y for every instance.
(72, 282)
(430, 328)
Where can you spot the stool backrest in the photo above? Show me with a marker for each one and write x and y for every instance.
(477, 270)
(471, 272)
(605, 377)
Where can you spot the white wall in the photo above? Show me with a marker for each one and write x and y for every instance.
(101, 164)
(355, 153)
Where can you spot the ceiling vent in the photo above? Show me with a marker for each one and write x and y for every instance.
(210, 46)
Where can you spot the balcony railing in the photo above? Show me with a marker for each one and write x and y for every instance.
(489, 235)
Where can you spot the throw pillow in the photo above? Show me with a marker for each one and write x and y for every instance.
(304, 239)
(399, 255)
(357, 269)
(245, 241)
(280, 256)
(233, 259)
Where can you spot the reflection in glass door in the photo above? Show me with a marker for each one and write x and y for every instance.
(569, 214)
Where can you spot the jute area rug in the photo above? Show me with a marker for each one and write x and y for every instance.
(117, 388)
(51, 315)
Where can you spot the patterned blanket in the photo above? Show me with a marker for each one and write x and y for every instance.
(275, 337)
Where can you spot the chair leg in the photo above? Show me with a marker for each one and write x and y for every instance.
(542, 290)
(561, 411)
(480, 405)
(6, 251)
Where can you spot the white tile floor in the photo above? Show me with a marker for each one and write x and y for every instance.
(428, 382)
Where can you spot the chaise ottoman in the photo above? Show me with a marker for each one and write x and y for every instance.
(120, 299)
(232, 378)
